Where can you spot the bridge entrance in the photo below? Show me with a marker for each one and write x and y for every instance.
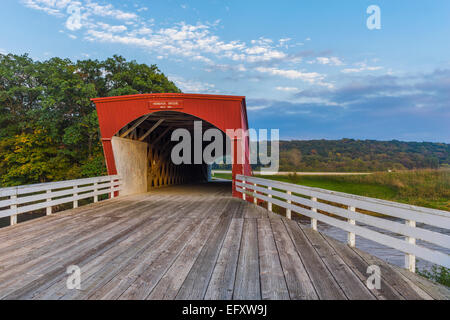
(136, 135)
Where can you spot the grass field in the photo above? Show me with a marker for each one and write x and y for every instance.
(427, 188)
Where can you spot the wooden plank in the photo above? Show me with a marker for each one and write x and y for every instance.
(273, 283)
(110, 261)
(171, 282)
(353, 288)
(247, 285)
(94, 246)
(56, 287)
(153, 143)
(148, 278)
(435, 290)
(151, 129)
(62, 184)
(196, 283)
(55, 194)
(359, 267)
(239, 213)
(59, 237)
(132, 262)
(222, 280)
(406, 288)
(118, 277)
(299, 284)
(134, 126)
(73, 241)
(7, 192)
(230, 209)
(49, 203)
(323, 281)
(43, 205)
(252, 211)
(31, 232)
(37, 264)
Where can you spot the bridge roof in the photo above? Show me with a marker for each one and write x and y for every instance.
(170, 95)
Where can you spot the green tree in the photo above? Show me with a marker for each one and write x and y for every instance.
(48, 124)
(32, 158)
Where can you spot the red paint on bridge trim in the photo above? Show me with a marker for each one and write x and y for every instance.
(224, 112)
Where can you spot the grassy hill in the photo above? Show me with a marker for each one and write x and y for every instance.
(348, 155)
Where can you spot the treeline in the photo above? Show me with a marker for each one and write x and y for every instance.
(48, 125)
(361, 155)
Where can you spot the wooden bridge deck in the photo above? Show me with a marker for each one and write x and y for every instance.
(189, 242)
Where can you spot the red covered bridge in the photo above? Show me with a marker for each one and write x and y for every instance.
(147, 122)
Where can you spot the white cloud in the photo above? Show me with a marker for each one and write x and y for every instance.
(360, 67)
(78, 12)
(333, 61)
(191, 86)
(292, 74)
(254, 108)
(52, 7)
(284, 42)
(109, 11)
(194, 41)
(287, 89)
(309, 77)
(114, 29)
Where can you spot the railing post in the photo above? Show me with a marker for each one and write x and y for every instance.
(13, 218)
(112, 189)
(351, 239)
(49, 208)
(314, 221)
(410, 259)
(95, 190)
(269, 204)
(288, 211)
(243, 193)
(255, 199)
(75, 202)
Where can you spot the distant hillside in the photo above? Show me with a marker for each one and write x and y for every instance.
(361, 155)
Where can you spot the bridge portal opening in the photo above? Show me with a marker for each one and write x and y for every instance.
(136, 134)
(143, 148)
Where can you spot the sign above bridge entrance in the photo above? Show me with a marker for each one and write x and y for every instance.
(169, 104)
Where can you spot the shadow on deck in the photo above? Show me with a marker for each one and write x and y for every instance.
(189, 242)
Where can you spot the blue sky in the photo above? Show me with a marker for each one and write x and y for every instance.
(310, 68)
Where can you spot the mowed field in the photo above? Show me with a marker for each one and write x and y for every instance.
(427, 188)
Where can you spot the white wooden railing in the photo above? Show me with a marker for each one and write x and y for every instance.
(347, 214)
(28, 198)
